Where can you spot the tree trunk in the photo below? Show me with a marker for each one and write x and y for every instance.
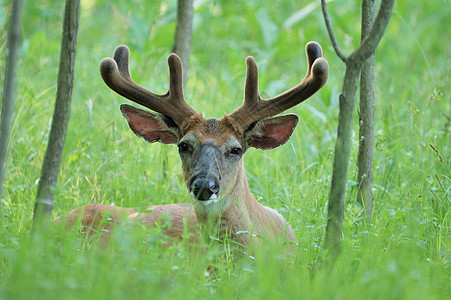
(52, 160)
(8, 92)
(366, 118)
(181, 47)
(183, 32)
(336, 202)
(335, 213)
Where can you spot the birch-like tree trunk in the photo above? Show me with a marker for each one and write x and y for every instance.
(52, 160)
(183, 33)
(8, 89)
(354, 62)
(366, 118)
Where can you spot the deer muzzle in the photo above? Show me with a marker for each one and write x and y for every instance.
(205, 182)
(204, 188)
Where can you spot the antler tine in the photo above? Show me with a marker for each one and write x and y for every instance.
(175, 78)
(251, 86)
(115, 72)
(255, 108)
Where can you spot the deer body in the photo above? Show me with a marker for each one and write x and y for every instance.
(104, 218)
(211, 151)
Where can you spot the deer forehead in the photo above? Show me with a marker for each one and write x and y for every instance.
(214, 131)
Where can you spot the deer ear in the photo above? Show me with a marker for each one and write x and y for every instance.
(150, 126)
(272, 132)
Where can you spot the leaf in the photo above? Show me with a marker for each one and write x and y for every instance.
(269, 29)
(316, 113)
(139, 31)
(301, 14)
(352, 183)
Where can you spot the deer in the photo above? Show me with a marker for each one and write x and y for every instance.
(211, 152)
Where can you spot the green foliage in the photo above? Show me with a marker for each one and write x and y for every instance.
(403, 254)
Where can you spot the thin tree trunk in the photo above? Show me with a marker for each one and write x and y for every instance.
(181, 47)
(332, 241)
(52, 160)
(366, 118)
(342, 153)
(183, 32)
(8, 92)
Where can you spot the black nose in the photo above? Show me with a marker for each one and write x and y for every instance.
(203, 188)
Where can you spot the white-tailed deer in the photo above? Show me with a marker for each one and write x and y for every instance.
(211, 151)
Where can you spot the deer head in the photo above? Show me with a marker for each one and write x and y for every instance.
(211, 150)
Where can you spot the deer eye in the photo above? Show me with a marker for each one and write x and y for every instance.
(183, 147)
(236, 151)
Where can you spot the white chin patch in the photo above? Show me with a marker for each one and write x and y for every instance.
(213, 199)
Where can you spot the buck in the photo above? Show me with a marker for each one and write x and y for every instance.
(211, 152)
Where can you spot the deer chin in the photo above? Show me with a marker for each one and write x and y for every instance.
(213, 199)
(213, 206)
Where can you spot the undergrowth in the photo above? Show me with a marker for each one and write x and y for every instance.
(403, 253)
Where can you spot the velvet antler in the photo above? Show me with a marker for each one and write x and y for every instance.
(115, 72)
(255, 108)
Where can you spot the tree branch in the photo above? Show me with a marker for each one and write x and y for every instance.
(331, 32)
(371, 41)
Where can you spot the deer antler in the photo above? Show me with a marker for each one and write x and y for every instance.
(116, 74)
(255, 108)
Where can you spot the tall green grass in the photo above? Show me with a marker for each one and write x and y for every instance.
(403, 254)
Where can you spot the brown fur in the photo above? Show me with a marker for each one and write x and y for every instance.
(246, 214)
(243, 213)
(95, 218)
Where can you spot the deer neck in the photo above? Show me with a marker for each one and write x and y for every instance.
(241, 216)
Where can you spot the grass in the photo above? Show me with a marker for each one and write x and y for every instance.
(403, 254)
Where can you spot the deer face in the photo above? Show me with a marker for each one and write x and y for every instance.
(211, 150)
